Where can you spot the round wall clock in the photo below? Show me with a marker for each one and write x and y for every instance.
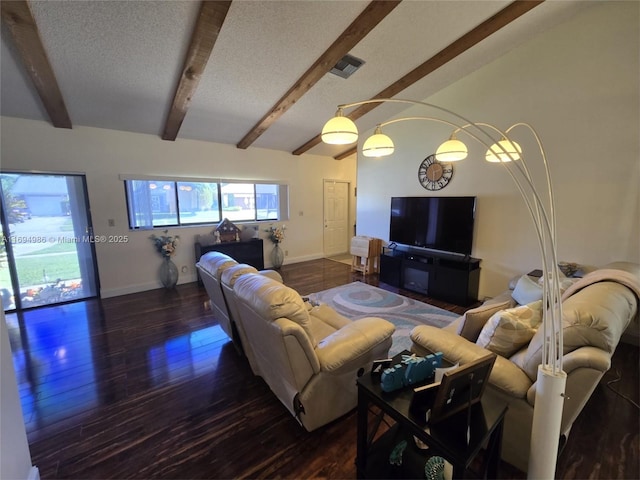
(434, 175)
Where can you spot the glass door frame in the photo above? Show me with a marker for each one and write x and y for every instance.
(11, 260)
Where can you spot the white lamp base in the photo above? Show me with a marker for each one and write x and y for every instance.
(547, 418)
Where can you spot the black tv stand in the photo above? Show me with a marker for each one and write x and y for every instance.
(449, 277)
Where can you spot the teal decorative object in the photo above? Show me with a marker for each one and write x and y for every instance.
(434, 468)
(396, 454)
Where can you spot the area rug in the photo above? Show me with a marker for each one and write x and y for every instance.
(357, 300)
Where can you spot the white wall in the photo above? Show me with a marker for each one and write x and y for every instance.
(105, 154)
(15, 459)
(578, 86)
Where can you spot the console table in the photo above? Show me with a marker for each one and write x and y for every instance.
(250, 252)
(447, 439)
(450, 278)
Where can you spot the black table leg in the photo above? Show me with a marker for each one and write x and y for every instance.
(361, 444)
(491, 462)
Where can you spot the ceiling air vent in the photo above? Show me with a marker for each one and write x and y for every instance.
(347, 66)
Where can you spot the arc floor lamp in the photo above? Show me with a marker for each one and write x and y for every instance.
(502, 149)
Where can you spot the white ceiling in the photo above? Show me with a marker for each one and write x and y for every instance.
(118, 62)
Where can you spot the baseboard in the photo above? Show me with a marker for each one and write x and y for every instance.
(140, 287)
(188, 278)
(143, 287)
(290, 260)
(34, 474)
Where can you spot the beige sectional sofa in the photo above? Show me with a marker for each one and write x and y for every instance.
(211, 266)
(310, 356)
(596, 311)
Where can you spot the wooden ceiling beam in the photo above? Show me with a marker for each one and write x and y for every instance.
(17, 17)
(371, 16)
(346, 153)
(210, 19)
(464, 43)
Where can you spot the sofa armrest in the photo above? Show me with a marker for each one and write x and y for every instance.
(586, 357)
(351, 346)
(589, 358)
(427, 339)
(505, 375)
(584, 368)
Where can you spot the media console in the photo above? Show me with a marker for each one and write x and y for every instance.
(250, 252)
(451, 278)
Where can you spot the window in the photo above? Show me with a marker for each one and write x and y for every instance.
(198, 202)
(162, 202)
(238, 201)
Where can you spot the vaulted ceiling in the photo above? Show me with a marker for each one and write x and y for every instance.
(241, 72)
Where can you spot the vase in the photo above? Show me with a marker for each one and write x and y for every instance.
(277, 256)
(168, 273)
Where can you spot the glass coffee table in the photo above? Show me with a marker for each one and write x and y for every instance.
(458, 439)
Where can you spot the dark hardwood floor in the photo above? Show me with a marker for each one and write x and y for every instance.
(148, 386)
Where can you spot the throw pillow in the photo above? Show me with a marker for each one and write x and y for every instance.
(474, 319)
(509, 330)
(565, 282)
(527, 290)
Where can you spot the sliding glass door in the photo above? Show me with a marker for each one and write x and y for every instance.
(46, 254)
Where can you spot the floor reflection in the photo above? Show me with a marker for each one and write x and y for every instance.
(53, 359)
(74, 359)
(183, 356)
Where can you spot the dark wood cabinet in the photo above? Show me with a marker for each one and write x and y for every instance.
(250, 252)
(457, 281)
(391, 270)
(451, 278)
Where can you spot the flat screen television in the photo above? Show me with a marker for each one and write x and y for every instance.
(436, 223)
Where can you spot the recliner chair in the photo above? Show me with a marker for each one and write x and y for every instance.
(211, 265)
(227, 281)
(310, 356)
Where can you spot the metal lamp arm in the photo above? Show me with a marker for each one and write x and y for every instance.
(543, 220)
(555, 301)
(551, 379)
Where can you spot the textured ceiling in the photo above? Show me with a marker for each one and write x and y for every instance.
(118, 62)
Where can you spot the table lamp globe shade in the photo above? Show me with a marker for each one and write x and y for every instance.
(378, 145)
(339, 131)
(453, 150)
(503, 151)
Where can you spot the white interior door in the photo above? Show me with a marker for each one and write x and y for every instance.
(336, 217)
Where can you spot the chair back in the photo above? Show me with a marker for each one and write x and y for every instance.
(276, 323)
(211, 266)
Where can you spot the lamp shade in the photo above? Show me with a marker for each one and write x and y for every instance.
(452, 150)
(339, 131)
(503, 151)
(378, 145)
